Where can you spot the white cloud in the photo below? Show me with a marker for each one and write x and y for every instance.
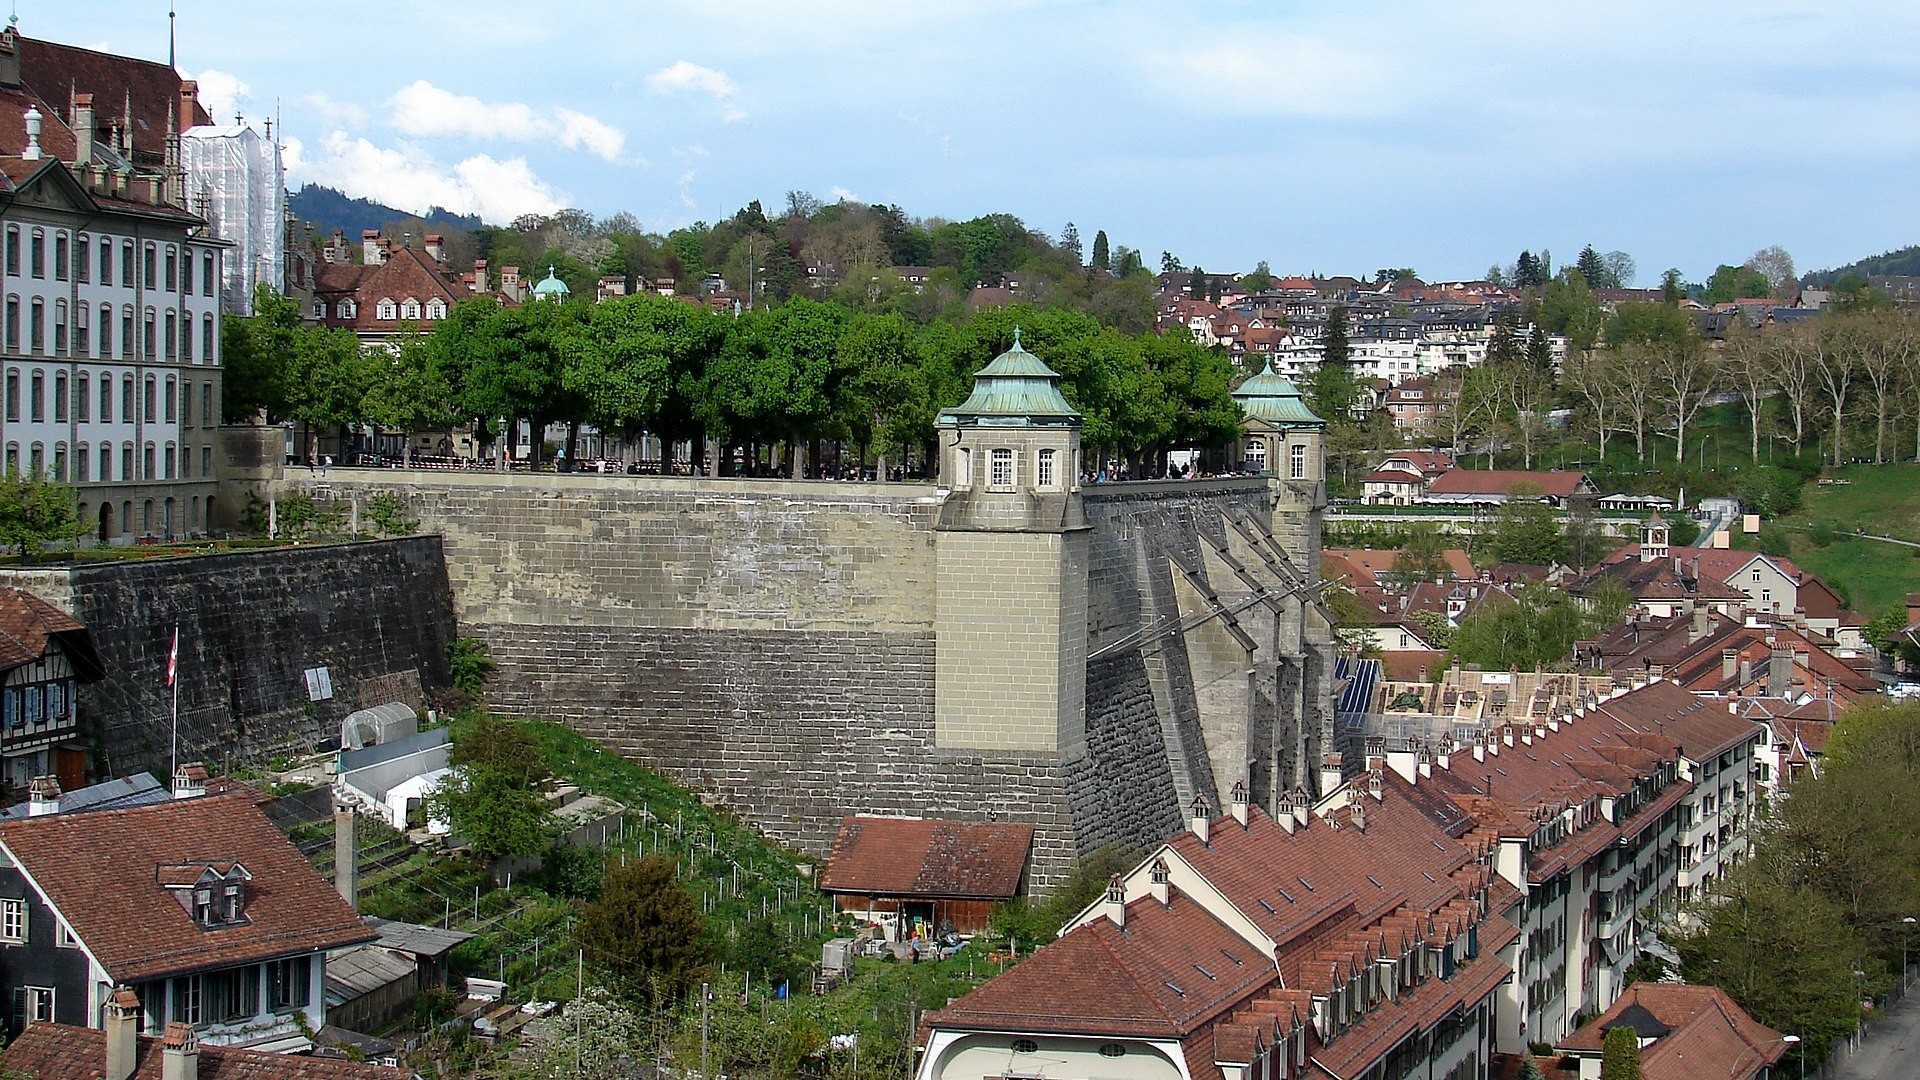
(842, 194)
(422, 109)
(409, 178)
(686, 77)
(222, 95)
(335, 114)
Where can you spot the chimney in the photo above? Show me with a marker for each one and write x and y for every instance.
(1201, 814)
(1115, 905)
(435, 247)
(189, 103)
(1330, 768)
(1780, 672)
(83, 129)
(1376, 786)
(190, 781)
(43, 796)
(1237, 802)
(1746, 673)
(346, 868)
(1506, 736)
(1160, 883)
(1283, 810)
(123, 1033)
(480, 276)
(1699, 623)
(1302, 806)
(371, 253)
(180, 1053)
(1729, 663)
(9, 57)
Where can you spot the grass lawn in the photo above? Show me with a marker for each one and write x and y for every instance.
(1872, 574)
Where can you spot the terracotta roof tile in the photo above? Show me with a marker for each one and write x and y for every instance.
(150, 89)
(136, 928)
(915, 857)
(1712, 1037)
(59, 1052)
(1498, 481)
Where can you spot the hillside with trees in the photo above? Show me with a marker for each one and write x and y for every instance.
(327, 209)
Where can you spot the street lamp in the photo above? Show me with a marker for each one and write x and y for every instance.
(1906, 945)
(1794, 1040)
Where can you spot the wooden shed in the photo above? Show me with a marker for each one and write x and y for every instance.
(935, 874)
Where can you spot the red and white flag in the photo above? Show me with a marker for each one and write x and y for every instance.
(173, 656)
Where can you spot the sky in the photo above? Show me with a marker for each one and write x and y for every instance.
(1332, 138)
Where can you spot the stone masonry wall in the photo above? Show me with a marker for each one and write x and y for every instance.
(770, 644)
(377, 615)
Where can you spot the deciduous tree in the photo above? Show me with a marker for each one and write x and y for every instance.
(644, 930)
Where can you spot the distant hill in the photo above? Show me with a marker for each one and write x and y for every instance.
(1904, 262)
(329, 209)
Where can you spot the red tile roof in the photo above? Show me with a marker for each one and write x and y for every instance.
(27, 623)
(407, 274)
(60, 1052)
(135, 928)
(920, 857)
(1712, 1037)
(1499, 481)
(55, 72)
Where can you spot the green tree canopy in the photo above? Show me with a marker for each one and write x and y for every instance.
(35, 512)
(644, 930)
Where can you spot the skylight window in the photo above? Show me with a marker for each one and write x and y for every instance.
(1306, 883)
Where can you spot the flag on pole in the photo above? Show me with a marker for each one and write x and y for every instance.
(173, 656)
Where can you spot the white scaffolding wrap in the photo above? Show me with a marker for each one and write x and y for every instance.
(238, 174)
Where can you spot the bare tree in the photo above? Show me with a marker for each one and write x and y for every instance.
(1636, 378)
(1590, 376)
(1777, 266)
(1451, 419)
(1687, 373)
(1748, 364)
(1874, 338)
(1525, 394)
(1793, 370)
(1835, 367)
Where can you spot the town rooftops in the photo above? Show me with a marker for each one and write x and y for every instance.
(136, 928)
(60, 1052)
(920, 857)
(1707, 1036)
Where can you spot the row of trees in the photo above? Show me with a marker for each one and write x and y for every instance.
(795, 376)
(1815, 922)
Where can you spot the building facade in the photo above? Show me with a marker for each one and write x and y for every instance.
(110, 330)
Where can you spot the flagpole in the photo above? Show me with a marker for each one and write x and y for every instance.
(173, 680)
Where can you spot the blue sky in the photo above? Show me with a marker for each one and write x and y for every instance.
(1328, 137)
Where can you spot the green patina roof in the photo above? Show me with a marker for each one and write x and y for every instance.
(1015, 389)
(551, 286)
(1273, 398)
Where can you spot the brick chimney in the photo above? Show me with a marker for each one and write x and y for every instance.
(189, 103)
(179, 1053)
(123, 1034)
(43, 796)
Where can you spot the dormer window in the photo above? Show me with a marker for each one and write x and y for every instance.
(410, 309)
(348, 309)
(385, 309)
(213, 893)
(436, 309)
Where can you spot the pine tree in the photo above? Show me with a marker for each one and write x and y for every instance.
(1070, 241)
(1539, 351)
(1099, 260)
(1591, 268)
(1333, 340)
(1502, 348)
(1197, 284)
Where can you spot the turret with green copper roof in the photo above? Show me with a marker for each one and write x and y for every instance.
(551, 288)
(1015, 389)
(1272, 397)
